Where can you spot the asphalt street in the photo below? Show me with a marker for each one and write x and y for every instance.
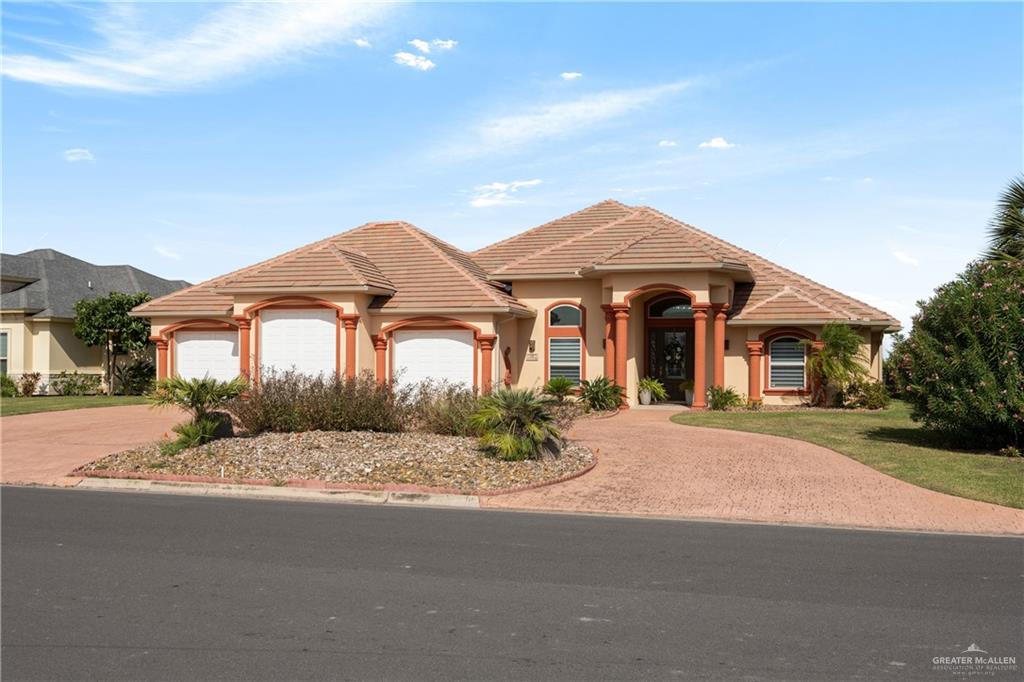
(99, 585)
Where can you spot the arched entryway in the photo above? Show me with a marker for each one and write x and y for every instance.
(669, 342)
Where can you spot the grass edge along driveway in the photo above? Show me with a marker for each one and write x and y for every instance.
(888, 441)
(10, 407)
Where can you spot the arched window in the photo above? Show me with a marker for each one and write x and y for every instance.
(564, 336)
(671, 306)
(786, 357)
(565, 316)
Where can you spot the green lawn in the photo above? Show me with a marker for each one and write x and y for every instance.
(886, 440)
(12, 406)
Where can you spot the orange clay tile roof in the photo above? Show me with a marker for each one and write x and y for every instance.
(324, 265)
(429, 274)
(424, 272)
(612, 234)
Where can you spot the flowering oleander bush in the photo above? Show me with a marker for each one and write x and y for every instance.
(961, 367)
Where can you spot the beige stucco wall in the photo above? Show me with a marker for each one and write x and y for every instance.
(529, 370)
(19, 343)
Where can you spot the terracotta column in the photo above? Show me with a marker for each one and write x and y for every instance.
(609, 342)
(621, 343)
(380, 346)
(700, 357)
(755, 349)
(351, 323)
(161, 356)
(244, 327)
(718, 340)
(486, 361)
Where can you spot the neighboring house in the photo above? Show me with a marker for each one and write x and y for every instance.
(612, 290)
(38, 292)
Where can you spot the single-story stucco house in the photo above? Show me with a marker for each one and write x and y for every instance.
(614, 290)
(38, 292)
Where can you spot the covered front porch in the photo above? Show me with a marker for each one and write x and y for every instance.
(661, 331)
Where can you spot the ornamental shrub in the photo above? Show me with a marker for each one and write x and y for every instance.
(291, 402)
(135, 377)
(962, 366)
(7, 387)
(869, 395)
(600, 394)
(76, 384)
(724, 398)
(444, 409)
(28, 383)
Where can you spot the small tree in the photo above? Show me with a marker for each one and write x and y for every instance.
(839, 364)
(963, 363)
(105, 322)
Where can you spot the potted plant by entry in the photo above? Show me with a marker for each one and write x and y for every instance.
(651, 388)
(687, 388)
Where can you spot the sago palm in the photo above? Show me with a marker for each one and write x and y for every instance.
(1006, 231)
(516, 424)
(198, 396)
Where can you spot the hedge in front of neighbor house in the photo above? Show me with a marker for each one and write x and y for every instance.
(961, 367)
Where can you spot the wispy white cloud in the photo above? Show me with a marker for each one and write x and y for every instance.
(132, 55)
(668, 143)
(716, 143)
(500, 193)
(571, 75)
(414, 61)
(78, 154)
(166, 252)
(904, 257)
(362, 42)
(421, 45)
(511, 132)
(444, 44)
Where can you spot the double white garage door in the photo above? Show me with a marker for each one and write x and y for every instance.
(306, 341)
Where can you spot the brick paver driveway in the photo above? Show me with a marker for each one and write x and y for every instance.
(649, 465)
(45, 447)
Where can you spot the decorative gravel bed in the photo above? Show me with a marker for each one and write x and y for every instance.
(357, 457)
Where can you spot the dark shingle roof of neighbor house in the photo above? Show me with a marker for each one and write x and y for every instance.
(48, 283)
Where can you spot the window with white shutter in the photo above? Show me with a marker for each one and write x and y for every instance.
(564, 356)
(786, 357)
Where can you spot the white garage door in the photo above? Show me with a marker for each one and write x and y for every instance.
(300, 340)
(212, 354)
(437, 355)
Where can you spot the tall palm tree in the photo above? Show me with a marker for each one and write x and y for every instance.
(1006, 233)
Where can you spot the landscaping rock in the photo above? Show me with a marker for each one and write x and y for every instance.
(356, 457)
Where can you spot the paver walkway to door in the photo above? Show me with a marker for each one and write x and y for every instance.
(44, 447)
(649, 465)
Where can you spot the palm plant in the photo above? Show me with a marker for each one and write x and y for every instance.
(600, 394)
(559, 388)
(839, 363)
(654, 387)
(200, 397)
(515, 424)
(1006, 231)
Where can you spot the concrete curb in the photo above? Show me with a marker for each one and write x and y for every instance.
(282, 492)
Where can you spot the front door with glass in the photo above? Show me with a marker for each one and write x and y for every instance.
(670, 359)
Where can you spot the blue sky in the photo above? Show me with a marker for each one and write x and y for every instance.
(861, 145)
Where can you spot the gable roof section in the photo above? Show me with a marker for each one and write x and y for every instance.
(423, 272)
(53, 282)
